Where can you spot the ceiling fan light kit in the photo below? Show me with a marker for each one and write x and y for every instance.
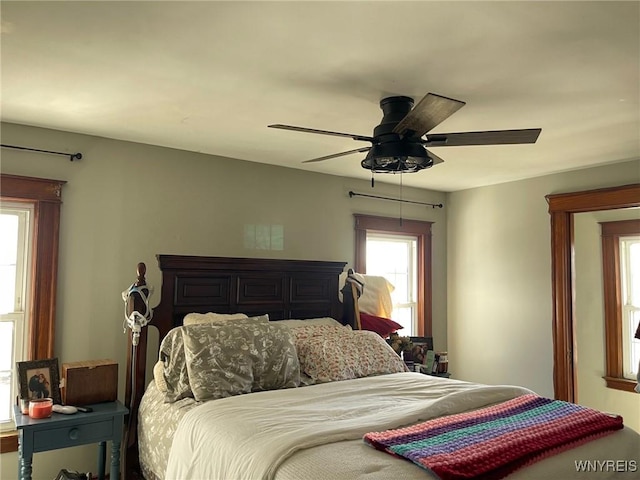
(398, 146)
(397, 157)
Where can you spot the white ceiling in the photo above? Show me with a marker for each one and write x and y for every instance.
(210, 76)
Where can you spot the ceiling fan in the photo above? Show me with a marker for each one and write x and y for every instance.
(397, 144)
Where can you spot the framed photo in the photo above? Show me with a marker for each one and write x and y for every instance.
(39, 379)
(420, 347)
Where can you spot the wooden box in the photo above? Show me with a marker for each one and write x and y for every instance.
(92, 381)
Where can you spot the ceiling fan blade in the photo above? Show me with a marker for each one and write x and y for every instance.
(335, 155)
(322, 132)
(436, 159)
(428, 113)
(492, 137)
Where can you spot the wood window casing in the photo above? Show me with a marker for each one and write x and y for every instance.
(561, 209)
(422, 231)
(46, 197)
(611, 279)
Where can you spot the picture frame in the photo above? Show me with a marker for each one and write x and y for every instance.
(39, 379)
(420, 347)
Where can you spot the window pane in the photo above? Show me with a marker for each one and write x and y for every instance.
(6, 369)
(6, 345)
(9, 239)
(634, 347)
(634, 274)
(387, 255)
(401, 294)
(393, 257)
(5, 396)
(404, 316)
(8, 257)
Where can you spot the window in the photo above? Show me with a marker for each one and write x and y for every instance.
(16, 225)
(394, 257)
(42, 198)
(621, 280)
(630, 279)
(409, 269)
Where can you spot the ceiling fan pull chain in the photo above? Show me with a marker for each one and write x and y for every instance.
(401, 199)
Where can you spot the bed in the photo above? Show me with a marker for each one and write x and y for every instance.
(340, 416)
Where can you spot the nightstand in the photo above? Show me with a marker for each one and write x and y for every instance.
(104, 423)
(413, 366)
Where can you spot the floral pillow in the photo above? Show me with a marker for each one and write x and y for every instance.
(301, 333)
(344, 354)
(231, 359)
(172, 355)
(175, 375)
(197, 318)
(158, 376)
(310, 322)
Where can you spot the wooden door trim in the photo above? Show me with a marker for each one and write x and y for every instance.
(561, 209)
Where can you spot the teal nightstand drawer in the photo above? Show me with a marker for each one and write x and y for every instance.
(72, 435)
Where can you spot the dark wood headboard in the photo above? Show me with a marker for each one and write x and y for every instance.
(254, 286)
(281, 288)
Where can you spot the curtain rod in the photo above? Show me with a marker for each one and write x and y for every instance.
(432, 205)
(72, 156)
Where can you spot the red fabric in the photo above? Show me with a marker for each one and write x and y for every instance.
(382, 326)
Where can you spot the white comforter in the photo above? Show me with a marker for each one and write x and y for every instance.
(270, 434)
(251, 435)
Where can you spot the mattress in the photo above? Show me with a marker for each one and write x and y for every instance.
(387, 401)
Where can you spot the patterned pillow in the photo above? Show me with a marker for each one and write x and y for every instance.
(310, 322)
(303, 332)
(172, 356)
(197, 318)
(345, 354)
(231, 359)
(158, 376)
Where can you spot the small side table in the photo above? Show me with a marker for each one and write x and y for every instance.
(104, 423)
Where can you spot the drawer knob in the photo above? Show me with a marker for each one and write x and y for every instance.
(74, 434)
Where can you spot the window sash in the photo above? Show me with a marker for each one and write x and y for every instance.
(619, 346)
(409, 273)
(8, 380)
(629, 275)
(15, 345)
(630, 345)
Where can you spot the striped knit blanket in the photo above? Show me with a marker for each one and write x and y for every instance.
(493, 442)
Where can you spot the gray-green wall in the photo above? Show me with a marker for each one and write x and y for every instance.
(126, 202)
(499, 282)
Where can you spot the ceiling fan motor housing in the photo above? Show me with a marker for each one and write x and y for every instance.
(394, 109)
(390, 152)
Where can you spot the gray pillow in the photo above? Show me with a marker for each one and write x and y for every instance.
(172, 355)
(232, 359)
